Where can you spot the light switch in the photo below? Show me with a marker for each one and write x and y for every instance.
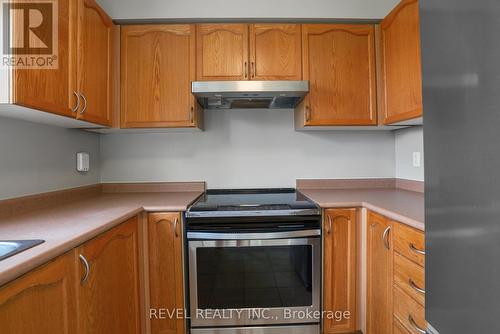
(82, 162)
(417, 159)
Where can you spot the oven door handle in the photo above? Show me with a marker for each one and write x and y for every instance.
(253, 236)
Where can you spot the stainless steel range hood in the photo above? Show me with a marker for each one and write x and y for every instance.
(250, 94)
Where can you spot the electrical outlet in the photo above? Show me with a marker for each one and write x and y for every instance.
(82, 162)
(417, 160)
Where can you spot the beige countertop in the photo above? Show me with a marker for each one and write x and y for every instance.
(64, 227)
(68, 226)
(401, 205)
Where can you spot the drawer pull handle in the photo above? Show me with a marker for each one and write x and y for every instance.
(87, 268)
(415, 326)
(385, 237)
(415, 287)
(416, 250)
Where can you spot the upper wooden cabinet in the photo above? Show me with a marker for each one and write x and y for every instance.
(401, 63)
(379, 275)
(275, 52)
(81, 84)
(157, 67)
(248, 52)
(222, 52)
(108, 296)
(166, 270)
(340, 269)
(42, 301)
(339, 62)
(52, 90)
(95, 63)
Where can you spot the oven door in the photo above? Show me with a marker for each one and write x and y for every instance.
(257, 279)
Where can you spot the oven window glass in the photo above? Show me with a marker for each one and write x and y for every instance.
(254, 277)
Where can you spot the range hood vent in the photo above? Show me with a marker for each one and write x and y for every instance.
(250, 94)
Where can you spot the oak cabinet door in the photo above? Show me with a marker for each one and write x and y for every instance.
(339, 62)
(340, 269)
(52, 90)
(401, 63)
(166, 270)
(42, 301)
(95, 57)
(108, 299)
(222, 52)
(157, 67)
(379, 275)
(275, 52)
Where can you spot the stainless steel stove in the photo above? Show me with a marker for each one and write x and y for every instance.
(254, 262)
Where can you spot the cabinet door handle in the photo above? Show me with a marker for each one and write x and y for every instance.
(308, 114)
(415, 326)
(87, 269)
(416, 250)
(176, 221)
(75, 109)
(385, 237)
(415, 287)
(84, 104)
(329, 230)
(246, 69)
(252, 72)
(191, 115)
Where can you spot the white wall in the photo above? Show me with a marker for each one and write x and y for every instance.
(409, 141)
(37, 158)
(147, 9)
(258, 148)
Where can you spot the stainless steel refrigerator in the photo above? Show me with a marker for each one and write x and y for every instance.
(461, 71)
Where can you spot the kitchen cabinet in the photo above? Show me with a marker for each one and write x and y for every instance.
(409, 278)
(401, 63)
(95, 63)
(222, 52)
(166, 270)
(248, 52)
(80, 86)
(108, 295)
(340, 269)
(42, 301)
(339, 62)
(157, 67)
(275, 52)
(379, 275)
(52, 90)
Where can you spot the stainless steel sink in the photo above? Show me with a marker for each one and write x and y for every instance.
(13, 247)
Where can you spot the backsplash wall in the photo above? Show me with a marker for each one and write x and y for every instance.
(241, 148)
(408, 141)
(38, 158)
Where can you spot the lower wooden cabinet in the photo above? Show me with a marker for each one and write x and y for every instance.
(166, 279)
(42, 301)
(379, 275)
(395, 277)
(108, 296)
(340, 269)
(104, 298)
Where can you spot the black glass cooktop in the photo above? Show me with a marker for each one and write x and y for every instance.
(252, 201)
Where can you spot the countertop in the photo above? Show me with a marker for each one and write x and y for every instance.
(68, 226)
(403, 206)
(65, 227)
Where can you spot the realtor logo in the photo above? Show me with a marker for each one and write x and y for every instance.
(29, 34)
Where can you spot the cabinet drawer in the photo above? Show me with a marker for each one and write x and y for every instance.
(408, 311)
(410, 243)
(410, 278)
